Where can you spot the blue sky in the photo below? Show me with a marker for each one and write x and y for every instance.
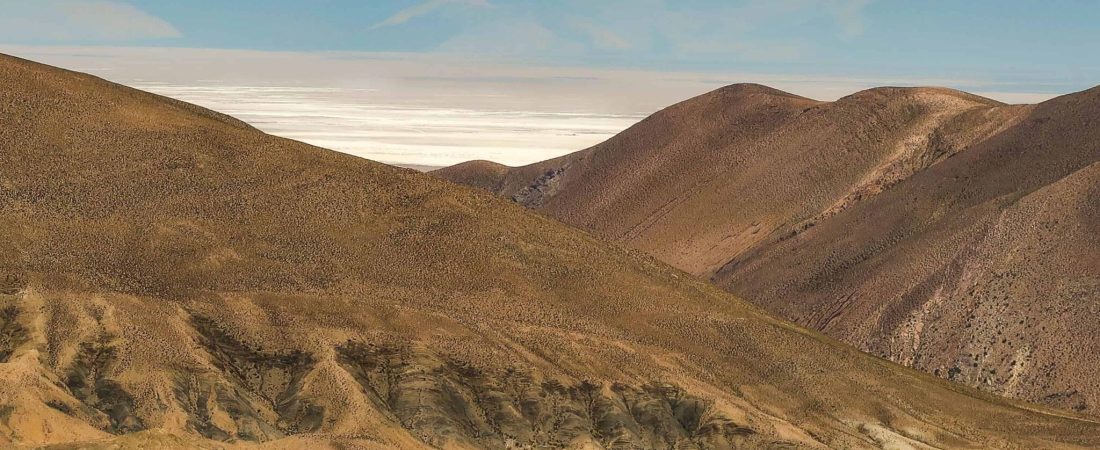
(440, 81)
(1036, 46)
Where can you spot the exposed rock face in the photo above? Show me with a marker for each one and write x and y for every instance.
(449, 401)
(12, 334)
(541, 189)
(932, 227)
(259, 391)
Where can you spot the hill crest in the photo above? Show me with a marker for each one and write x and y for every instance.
(807, 208)
(171, 278)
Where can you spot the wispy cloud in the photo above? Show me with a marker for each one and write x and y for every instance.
(79, 20)
(848, 15)
(744, 29)
(510, 38)
(601, 36)
(665, 30)
(424, 9)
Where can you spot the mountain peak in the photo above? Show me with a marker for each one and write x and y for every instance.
(887, 218)
(920, 93)
(752, 89)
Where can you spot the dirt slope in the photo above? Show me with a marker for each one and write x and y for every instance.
(174, 278)
(481, 174)
(930, 226)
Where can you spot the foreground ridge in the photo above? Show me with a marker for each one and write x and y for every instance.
(175, 278)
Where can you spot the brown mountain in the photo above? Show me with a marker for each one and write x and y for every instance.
(936, 228)
(175, 278)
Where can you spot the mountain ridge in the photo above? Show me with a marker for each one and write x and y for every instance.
(747, 211)
(173, 279)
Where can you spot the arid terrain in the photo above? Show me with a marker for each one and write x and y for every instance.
(938, 229)
(173, 278)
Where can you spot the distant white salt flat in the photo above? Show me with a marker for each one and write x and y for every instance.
(417, 134)
(434, 109)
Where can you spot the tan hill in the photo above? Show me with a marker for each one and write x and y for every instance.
(936, 228)
(175, 278)
(481, 174)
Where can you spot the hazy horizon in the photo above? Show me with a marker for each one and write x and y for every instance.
(437, 82)
(394, 115)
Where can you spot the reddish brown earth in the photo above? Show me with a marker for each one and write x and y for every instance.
(939, 229)
(173, 278)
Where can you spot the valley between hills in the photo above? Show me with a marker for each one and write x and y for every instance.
(175, 278)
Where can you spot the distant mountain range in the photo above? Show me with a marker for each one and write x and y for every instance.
(941, 230)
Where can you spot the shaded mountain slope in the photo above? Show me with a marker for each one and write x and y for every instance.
(174, 278)
(687, 184)
(930, 226)
(985, 268)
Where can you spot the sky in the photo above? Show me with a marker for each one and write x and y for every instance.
(436, 82)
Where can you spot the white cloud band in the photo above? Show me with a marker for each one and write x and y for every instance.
(79, 21)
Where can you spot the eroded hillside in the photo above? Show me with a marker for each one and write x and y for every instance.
(175, 278)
